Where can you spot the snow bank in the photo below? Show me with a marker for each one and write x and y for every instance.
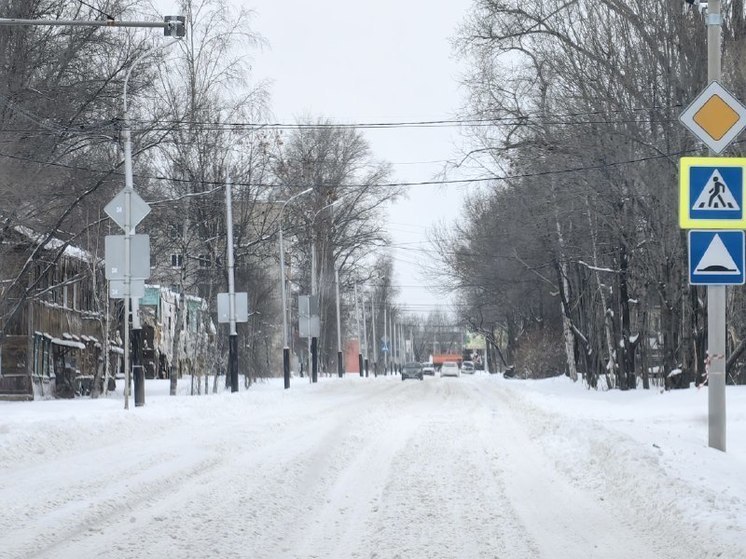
(648, 431)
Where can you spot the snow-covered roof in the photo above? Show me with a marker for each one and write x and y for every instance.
(68, 343)
(53, 244)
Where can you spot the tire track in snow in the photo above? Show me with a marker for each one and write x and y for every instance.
(410, 492)
(227, 504)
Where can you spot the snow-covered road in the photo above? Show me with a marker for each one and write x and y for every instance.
(466, 467)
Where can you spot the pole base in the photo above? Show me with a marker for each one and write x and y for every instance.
(233, 361)
(286, 366)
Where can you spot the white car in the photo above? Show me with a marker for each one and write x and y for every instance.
(450, 369)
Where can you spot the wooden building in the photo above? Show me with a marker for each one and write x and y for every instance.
(53, 339)
(54, 316)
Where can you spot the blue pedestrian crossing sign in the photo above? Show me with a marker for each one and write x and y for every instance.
(716, 257)
(711, 193)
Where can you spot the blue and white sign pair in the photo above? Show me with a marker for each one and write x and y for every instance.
(716, 257)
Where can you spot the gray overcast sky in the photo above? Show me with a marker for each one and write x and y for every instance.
(374, 61)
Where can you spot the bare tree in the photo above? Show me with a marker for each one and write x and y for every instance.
(343, 216)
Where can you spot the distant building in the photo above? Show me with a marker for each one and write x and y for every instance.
(52, 342)
(53, 345)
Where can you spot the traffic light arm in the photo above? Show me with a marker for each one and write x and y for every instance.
(173, 26)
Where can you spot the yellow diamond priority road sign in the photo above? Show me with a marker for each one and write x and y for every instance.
(716, 117)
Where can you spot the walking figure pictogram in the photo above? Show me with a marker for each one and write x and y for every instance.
(716, 194)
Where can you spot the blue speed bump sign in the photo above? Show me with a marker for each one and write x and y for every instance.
(716, 257)
(711, 193)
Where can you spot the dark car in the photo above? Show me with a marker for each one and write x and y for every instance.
(412, 370)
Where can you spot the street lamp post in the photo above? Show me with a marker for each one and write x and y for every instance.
(128, 231)
(373, 321)
(340, 365)
(286, 348)
(365, 332)
(313, 342)
(359, 337)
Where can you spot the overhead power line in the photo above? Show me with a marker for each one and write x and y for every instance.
(477, 180)
(543, 118)
(164, 126)
(528, 119)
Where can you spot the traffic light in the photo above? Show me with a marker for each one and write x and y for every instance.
(175, 27)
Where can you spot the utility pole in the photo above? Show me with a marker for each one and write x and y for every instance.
(486, 354)
(375, 340)
(411, 341)
(359, 336)
(286, 347)
(365, 332)
(397, 345)
(233, 335)
(386, 341)
(395, 341)
(340, 364)
(137, 369)
(312, 341)
(716, 300)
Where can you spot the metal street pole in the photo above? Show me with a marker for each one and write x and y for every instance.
(365, 333)
(314, 356)
(233, 335)
(394, 345)
(716, 296)
(486, 354)
(312, 370)
(172, 25)
(313, 341)
(285, 348)
(375, 340)
(340, 364)
(128, 228)
(359, 336)
(386, 341)
(137, 368)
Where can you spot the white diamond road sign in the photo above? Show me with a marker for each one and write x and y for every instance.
(715, 117)
(115, 209)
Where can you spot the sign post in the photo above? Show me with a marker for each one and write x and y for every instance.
(128, 265)
(714, 199)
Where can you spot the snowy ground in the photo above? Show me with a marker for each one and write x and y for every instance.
(470, 467)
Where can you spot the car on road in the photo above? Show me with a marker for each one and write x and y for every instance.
(428, 369)
(450, 369)
(412, 370)
(467, 367)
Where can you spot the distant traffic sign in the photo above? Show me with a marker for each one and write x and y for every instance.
(716, 257)
(711, 193)
(139, 257)
(242, 307)
(716, 117)
(117, 289)
(116, 209)
(309, 324)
